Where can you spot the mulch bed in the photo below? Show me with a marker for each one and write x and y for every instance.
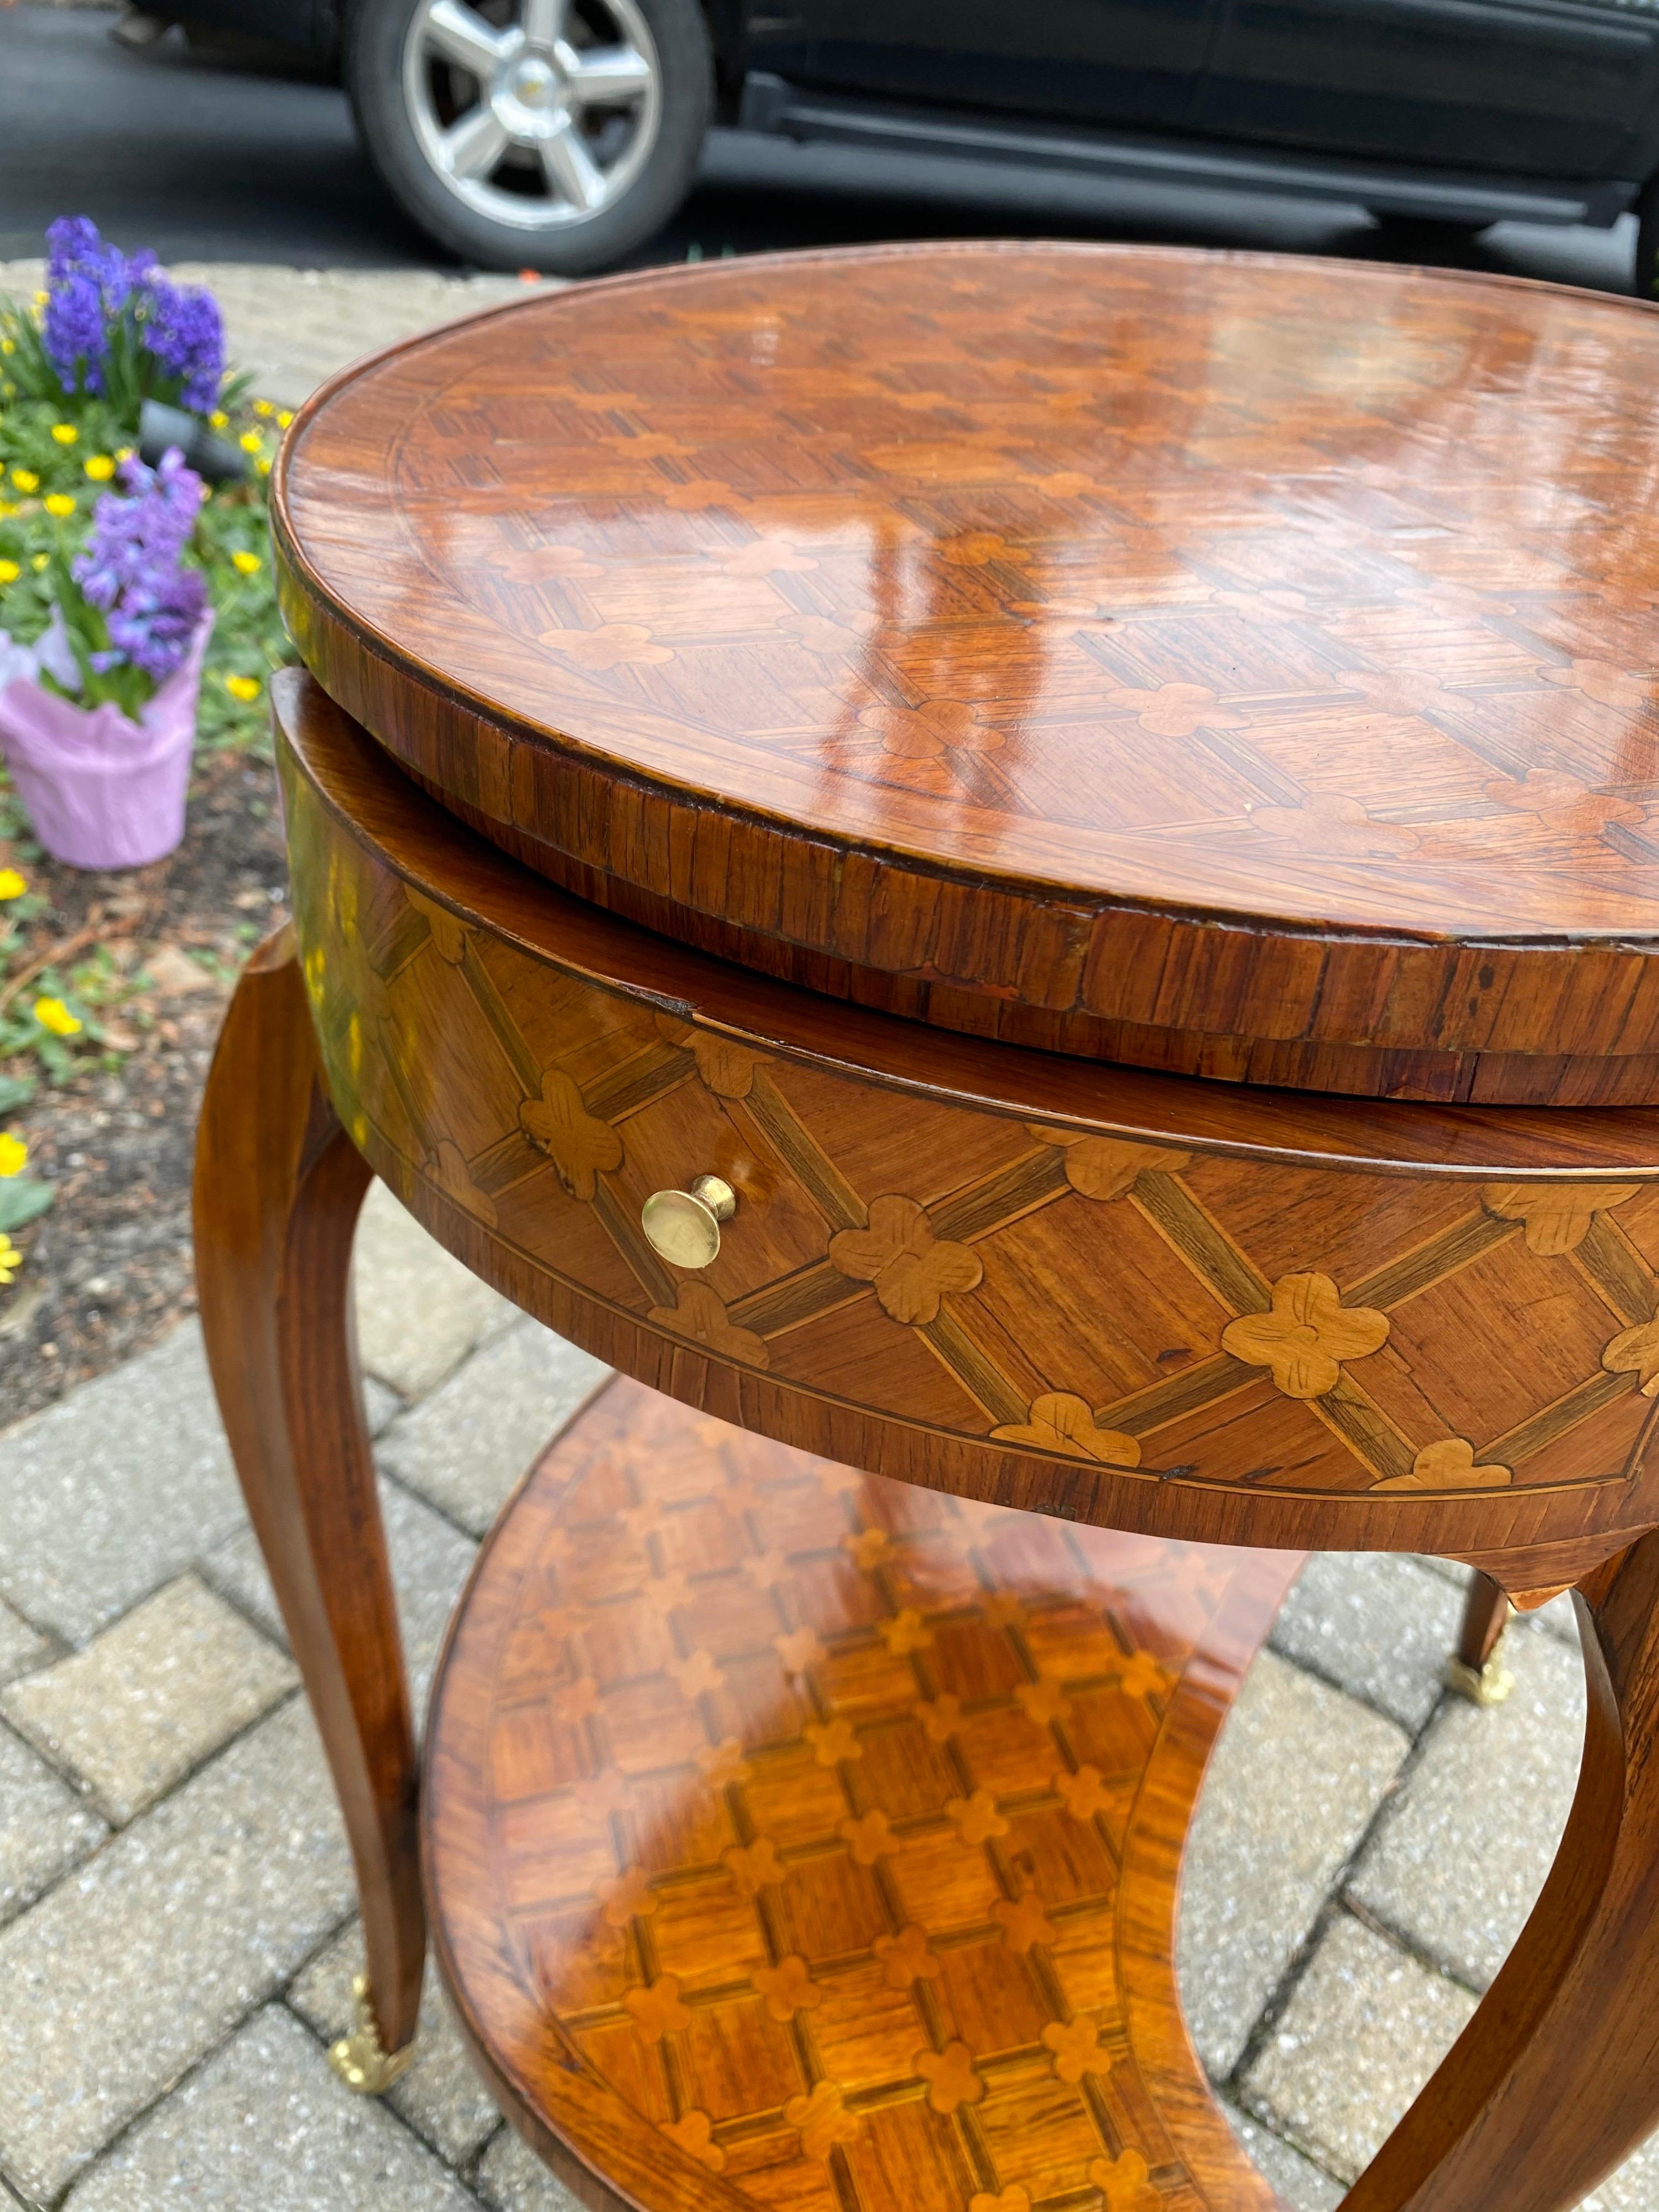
(108, 1269)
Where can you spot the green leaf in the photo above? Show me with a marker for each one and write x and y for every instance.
(15, 1091)
(23, 1199)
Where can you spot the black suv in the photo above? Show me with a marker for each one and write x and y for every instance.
(559, 134)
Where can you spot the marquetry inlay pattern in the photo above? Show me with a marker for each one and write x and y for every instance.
(1166, 1314)
(1234, 665)
(826, 1822)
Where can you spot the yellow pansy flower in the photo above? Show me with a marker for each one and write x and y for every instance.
(41, 298)
(10, 1259)
(285, 416)
(262, 407)
(14, 1154)
(26, 480)
(100, 468)
(242, 687)
(9, 572)
(8, 345)
(250, 441)
(263, 467)
(52, 1014)
(65, 433)
(12, 886)
(123, 453)
(39, 562)
(60, 504)
(218, 418)
(246, 564)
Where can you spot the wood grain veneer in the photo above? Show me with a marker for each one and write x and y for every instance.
(801, 1842)
(1229, 664)
(277, 1189)
(1237, 667)
(1124, 1298)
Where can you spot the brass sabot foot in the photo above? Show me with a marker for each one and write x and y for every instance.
(1482, 1685)
(358, 2059)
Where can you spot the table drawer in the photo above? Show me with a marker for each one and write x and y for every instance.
(1112, 1296)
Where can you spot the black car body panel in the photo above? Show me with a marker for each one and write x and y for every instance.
(1543, 87)
(1115, 62)
(1464, 110)
(771, 104)
(312, 25)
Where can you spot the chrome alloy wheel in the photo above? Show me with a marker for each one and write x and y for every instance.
(540, 121)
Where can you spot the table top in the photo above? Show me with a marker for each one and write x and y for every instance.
(1220, 662)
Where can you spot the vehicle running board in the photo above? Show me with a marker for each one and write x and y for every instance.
(772, 105)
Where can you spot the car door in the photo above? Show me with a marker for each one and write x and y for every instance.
(292, 22)
(1532, 87)
(1129, 62)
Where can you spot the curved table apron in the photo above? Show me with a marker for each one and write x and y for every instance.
(1109, 1297)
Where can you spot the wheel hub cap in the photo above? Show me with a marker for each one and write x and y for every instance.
(539, 125)
(531, 96)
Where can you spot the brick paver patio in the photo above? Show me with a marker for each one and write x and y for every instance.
(178, 1941)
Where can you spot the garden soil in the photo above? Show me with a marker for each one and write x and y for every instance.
(108, 1269)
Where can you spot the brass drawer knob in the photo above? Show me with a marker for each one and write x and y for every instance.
(684, 1226)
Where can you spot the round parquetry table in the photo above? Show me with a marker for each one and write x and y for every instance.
(1023, 881)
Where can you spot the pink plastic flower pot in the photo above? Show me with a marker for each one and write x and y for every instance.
(101, 791)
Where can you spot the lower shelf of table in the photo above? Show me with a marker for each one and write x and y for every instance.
(800, 1840)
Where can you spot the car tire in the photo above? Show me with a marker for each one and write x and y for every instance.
(410, 98)
(1646, 271)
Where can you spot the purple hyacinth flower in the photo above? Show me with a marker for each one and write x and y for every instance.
(88, 283)
(184, 330)
(71, 240)
(130, 568)
(93, 288)
(74, 333)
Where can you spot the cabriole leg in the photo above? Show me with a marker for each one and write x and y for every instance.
(1555, 2080)
(279, 1187)
(1474, 1670)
